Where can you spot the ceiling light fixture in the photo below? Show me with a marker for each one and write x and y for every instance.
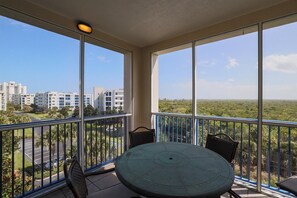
(84, 28)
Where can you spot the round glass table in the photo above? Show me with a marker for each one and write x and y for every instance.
(174, 170)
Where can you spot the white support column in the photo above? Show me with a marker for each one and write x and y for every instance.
(128, 92)
(81, 103)
(260, 104)
(194, 106)
(154, 86)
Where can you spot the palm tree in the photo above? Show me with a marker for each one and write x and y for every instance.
(57, 134)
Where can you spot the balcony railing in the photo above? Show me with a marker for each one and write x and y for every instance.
(32, 154)
(279, 143)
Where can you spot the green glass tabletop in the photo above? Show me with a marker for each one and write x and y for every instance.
(174, 170)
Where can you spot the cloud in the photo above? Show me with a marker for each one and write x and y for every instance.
(232, 63)
(103, 59)
(281, 63)
(231, 80)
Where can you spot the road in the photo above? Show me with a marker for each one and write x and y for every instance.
(38, 152)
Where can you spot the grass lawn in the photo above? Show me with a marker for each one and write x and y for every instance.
(18, 161)
(28, 133)
(39, 116)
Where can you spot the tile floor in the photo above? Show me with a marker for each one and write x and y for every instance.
(100, 182)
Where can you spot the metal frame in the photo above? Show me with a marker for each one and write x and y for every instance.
(81, 156)
(194, 106)
(260, 103)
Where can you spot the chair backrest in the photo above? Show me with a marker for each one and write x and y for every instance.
(141, 135)
(225, 147)
(75, 179)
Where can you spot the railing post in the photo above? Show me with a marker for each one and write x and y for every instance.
(260, 103)
(126, 141)
(81, 148)
(157, 124)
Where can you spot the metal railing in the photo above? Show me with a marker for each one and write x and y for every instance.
(32, 154)
(279, 142)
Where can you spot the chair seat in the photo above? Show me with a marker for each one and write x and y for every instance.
(114, 192)
(289, 184)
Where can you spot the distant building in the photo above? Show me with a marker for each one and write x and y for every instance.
(114, 99)
(106, 100)
(23, 99)
(60, 99)
(39, 100)
(10, 92)
(27, 99)
(88, 100)
(2, 101)
(11, 88)
(98, 94)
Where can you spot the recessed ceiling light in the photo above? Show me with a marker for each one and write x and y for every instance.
(84, 28)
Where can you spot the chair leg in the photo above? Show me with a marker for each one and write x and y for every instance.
(234, 194)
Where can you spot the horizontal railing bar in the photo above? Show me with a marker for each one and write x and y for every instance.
(228, 119)
(8, 127)
(233, 119)
(279, 123)
(102, 117)
(37, 124)
(172, 114)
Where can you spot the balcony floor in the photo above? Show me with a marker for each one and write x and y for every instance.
(100, 182)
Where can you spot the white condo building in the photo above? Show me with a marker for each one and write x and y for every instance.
(98, 93)
(23, 99)
(11, 88)
(2, 101)
(27, 99)
(105, 100)
(60, 99)
(10, 92)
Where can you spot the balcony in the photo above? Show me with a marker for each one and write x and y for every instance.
(35, 166)
(32, 153)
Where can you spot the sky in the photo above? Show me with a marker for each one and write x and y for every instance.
(46, 61)
(228, 69)
(225, 69)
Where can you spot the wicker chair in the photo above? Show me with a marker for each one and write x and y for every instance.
(75, 180)
(289, 184)
(225, 147)
(141, 135)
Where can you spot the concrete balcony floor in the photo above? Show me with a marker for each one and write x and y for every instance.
(100, 182)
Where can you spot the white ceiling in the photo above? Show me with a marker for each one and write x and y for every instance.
(146, 22)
